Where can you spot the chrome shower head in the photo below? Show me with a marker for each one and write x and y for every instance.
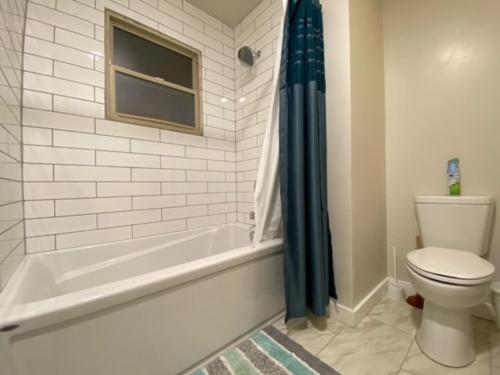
(247, 55)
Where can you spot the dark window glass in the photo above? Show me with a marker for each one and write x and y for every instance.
(143, 56)
(138, 97)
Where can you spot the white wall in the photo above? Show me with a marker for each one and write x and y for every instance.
(367, 146)
(12, 21)
(260, 31)
(442, 62)
(338, 102)
(355, 130)
(88, 180)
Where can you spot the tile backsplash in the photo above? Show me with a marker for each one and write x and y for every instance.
(89, 180)
(12, 246)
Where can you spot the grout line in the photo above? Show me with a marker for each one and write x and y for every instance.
(330, 341)
(405, 359)
(12, 250)
(490, 342)
(11, 227)
(389, 325)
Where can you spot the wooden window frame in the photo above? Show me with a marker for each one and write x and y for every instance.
(114, 19)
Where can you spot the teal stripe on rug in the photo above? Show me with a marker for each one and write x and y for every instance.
(288, 360)
(199, 372)
(239, 364)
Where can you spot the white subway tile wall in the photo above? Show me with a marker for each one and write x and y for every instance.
(90, 180)
(259, 30)
(12, 245)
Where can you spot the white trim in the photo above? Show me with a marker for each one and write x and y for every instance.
(485, 311)
(353, 316)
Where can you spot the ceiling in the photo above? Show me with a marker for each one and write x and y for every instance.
(231, 12)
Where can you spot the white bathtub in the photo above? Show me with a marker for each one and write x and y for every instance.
(148, 306)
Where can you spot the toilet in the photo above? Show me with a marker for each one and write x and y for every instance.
(450, 272)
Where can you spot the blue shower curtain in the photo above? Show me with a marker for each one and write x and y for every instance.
(308, 263)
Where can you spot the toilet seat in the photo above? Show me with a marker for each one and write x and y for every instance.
(451, 266)
(450, 280)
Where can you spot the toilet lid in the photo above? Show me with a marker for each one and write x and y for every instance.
(450, 263)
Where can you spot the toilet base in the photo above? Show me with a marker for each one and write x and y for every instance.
(445, 335)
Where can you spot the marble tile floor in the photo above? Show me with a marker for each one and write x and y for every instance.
(384, 343)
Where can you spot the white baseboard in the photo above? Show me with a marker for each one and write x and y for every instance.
(485, 311)
(353, 316)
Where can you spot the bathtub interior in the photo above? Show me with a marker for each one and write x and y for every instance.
(55, 274)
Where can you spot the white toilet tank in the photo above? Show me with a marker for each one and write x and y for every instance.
(462, 223)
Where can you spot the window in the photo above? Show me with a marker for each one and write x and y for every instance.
(151, 79)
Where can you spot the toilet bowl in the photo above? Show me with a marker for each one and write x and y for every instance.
(451, 281)
(450, 272)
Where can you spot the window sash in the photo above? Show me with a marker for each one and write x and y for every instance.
(145, 77)
(115, 20)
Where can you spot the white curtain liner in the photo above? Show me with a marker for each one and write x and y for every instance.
(267, 186)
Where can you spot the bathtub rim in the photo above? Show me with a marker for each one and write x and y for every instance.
(41, 314)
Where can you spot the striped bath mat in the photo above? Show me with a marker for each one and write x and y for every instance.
(269, 352)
